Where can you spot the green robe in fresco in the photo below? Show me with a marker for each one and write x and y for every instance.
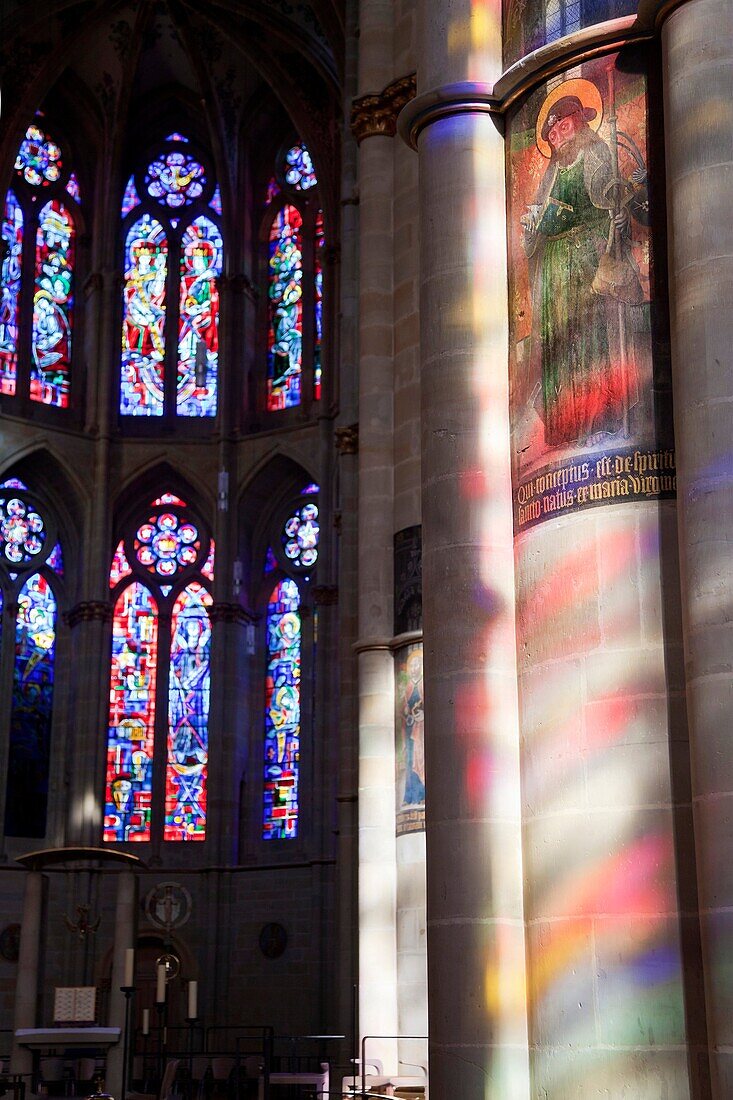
(583, 392)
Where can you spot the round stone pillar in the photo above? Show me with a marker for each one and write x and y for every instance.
(697, 41)
(26, 988)
(377, 852)
(476, 982)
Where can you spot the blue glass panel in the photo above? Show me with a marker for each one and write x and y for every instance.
(143, 326)
(32, 708)
(188, 716)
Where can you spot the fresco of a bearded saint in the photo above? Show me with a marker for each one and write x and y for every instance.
(586, 395)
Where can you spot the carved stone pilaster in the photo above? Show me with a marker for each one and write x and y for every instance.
(89, 611)
(376, 115)
(347, 440)
(231, 613)
(325, 595)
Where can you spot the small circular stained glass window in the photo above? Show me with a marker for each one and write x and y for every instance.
(300, 536)
(166, 544)
(299, 170)
(39, 159)
(175, 179)
(22, 531)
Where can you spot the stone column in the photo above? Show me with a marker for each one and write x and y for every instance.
(377, 856)
(477, 1016)
(697, 41)
(125, 936)
(26, 988)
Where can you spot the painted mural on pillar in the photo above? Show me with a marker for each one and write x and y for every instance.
(530, 24)
(589, 370)
(410, 748)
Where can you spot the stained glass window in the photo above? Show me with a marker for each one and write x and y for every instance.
(73, 187)
(52, 306)
(31, 710)
(35, 359)
(12, 233)
(285, 337)
(128, 794)
(273, 190)
(300, 536)
(208, 567)
(299, 170)
(143, 327)
(22, 530)
(318, 279)
(175, 179)
(156, 551)
(188, 716)
(166, 544)
(311, 488)
(56, 560)
(14, 483)
(198, 333)
(130, 198)
(282, 713)
(39, 158)
(270, 560)
(152, 349)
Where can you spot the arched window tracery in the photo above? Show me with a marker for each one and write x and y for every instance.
(38, 272)
(157, 740)
(294, 233)
(173, 261)
(31, 565)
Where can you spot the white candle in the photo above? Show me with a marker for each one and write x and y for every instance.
(160, 986)
(146, 1021)
(129, 967)
(192, 999)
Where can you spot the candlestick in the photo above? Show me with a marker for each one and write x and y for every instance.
(160, 985)
(129, 966)
(192, 1000)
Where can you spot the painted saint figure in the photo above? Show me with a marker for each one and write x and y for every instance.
(573, 234)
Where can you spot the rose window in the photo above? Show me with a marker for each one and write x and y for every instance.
(22, 531)
(299, 170)
(39, 158)
(165, 544)
(300, 536)
(175, 179)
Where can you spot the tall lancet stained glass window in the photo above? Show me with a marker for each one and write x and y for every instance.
(173, 261)
(30, 572)
(295, 248)
(295, 552)
(160, 675)
(39, 233)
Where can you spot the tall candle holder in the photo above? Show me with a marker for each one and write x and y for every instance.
(191, 1021)
(128, 990)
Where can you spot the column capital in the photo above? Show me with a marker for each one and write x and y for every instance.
(376, 115)
(464, 97)
(325, 595)
(89, 611)
(347, 439)
(231, 613)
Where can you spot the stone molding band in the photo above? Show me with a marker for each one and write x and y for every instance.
(473, 97)
(376, 115)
